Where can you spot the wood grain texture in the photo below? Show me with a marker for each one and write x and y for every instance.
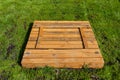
(61, 24)
(78, 53)
(62, 44)
(88, 38)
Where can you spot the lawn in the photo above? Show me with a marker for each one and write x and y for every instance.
(17, 16)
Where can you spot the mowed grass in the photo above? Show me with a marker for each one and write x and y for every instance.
(16, 17)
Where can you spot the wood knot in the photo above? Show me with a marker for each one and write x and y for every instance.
(35, 25)
(54, 54)
(27, 53)
(96, 52)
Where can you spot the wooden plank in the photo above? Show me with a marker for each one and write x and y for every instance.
(31, 44)
(33, 37)
(83, 38)
(62, 56)
(92, 42)
(60, 42)
(93, 46)
(66, 60)
(41, 31)
(61, 24)
(59, 46)
(35, 29)
(89, 34)
(34, 33)
(87, 30)
(60, 27)
(69, 51)
(66, 65)
(61, 35)
(60, 39)
(73, 22)
(88, 38)
(61, 30)
(61, 53)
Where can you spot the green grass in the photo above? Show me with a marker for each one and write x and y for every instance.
(17, 15)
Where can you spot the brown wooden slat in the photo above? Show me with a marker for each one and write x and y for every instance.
(67, 51)
(66, 65)
(87, 30)
(83, 38)
(62, 35)
(92, 46)
(60, 42)
(61, 24)
(58, 32)
(88, 36)
(92, 42)
(34, 54)
(41, 31)
(33, 35)
(90, 39)
(31, 44)
(68, 62)
(61, 30)
(69, 22)
(63, 46)
(60, 27)
(62, 56)
(35, 30)
(60, 39)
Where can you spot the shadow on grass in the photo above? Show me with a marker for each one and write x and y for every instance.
(24, 44)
